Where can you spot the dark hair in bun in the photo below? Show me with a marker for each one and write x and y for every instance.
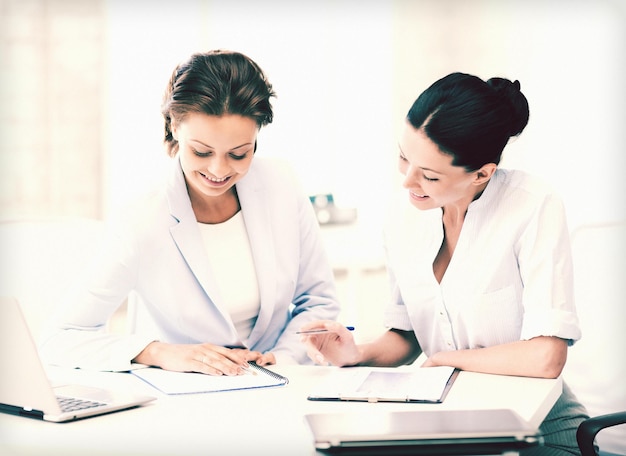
(510, 92)
(470, 119)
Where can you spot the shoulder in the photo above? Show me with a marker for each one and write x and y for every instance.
(142, 214)
(273, 176)
(265, 169)
(518, 197)
(514, 180)
(164, 194)
(519, 189)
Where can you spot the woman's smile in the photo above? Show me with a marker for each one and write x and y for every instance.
(214, 181)
(417, 196)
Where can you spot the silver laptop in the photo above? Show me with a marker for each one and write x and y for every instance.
(422, 432)
(25, 389)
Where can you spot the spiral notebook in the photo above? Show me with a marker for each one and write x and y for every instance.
(170, 382)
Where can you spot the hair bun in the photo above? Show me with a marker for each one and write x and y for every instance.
(511, 93)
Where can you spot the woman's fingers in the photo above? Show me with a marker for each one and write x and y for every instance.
(216, 360)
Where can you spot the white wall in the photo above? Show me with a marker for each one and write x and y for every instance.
(145, 42)
(330, 64)
(347, 71)
(570, 59)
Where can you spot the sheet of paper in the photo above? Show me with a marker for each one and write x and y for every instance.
(170, 382)
(425, 384)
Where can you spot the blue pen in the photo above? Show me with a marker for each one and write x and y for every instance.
(321, 331)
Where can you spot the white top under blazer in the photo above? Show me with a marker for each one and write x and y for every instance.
(156, 251)
(232, 263)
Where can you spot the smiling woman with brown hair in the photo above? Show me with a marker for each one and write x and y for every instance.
(225, 259)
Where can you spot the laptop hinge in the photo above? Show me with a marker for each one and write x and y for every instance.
(13, 410)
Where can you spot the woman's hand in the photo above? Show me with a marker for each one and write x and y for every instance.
(204, 358)
(337, 346)
(262, 359)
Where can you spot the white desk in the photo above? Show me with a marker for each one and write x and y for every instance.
(261, 421)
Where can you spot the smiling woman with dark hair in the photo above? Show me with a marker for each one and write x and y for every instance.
(225, 259)
(479, 261)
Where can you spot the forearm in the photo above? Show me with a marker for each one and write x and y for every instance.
(392, 348)
(91, 350)
(542, 357)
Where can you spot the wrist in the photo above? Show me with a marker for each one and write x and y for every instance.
(436, 359)
(149, 354)
(362, 356)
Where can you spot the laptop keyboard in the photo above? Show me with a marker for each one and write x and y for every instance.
(72, 404)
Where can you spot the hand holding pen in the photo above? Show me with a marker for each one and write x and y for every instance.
(321, 330)
(329, 341)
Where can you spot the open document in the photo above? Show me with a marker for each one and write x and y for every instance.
(170, 382)
(386, 384)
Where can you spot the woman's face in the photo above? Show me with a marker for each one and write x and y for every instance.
(430, 177)
(215, 151)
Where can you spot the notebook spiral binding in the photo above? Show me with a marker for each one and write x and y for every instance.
(268, 372)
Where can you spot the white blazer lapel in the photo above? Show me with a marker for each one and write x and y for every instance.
(188, 239)
(252, 195)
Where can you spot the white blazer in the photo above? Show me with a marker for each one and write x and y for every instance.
(156, 251)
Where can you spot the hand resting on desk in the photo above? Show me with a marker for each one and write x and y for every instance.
(202, 358)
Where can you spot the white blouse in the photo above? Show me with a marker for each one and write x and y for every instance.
(510, 277)
(230, 256)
